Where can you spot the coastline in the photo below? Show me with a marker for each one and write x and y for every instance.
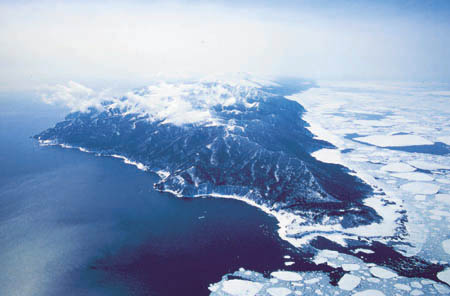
(288, 223)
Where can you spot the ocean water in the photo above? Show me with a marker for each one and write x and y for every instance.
(75, 224)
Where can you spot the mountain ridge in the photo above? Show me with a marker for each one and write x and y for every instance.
(250, 141)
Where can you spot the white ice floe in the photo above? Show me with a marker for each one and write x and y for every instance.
(420, 188)
(416, 285)
(287, 276)
(443, 181)
(349, 282)
(369, 292)
(443, 198)
(289, 263)
(420, 197)
(394, 140)
(442, 289)
(426, 282)
(312, 281)
(446, 246)
(428, 165)
(444, 139)
(398, 167)
(382, 273)
(241, 287)
(444, 275)
(359, 159)
(279, 291)
(440, 213)
(376, 123)
(328, 156)
(414, 176)
(350, 266)
(373, 280)
(366, 251)
(402, 287)
(329, 253)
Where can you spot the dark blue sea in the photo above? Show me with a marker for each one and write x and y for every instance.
(72, 223)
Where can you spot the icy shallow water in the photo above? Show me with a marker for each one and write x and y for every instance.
(395, 137)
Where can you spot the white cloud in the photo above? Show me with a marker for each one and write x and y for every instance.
(176, 103)
(73, 95)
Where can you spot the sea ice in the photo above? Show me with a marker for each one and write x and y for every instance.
(366, 251)
(359, 159)
(382, 273)
(350, 267)
(402, 287)
(369, 293)
(286, 276)
(375, 123)
(416, 285)
(398, 167)
(420, 188)
(413, 176)
(428, 165)
(349, 282)
(446, 246)
(394, 140)
(373, 280)
(328, 155)
(427, 282)
(328, 254)
(279, 291)
(312, 281)
(444, 198)
(444, 139)
(241, 287)
(442, 289)
(420, 197)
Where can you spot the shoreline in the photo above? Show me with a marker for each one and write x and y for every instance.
(288, 223)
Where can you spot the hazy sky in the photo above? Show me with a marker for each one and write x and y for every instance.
(105, 44)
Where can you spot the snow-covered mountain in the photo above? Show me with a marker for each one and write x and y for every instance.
(239, 137)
